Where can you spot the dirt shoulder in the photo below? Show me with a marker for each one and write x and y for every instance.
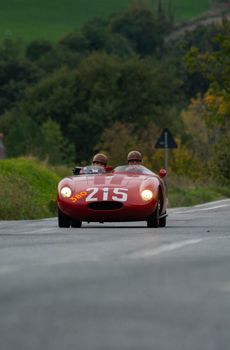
(214, 16)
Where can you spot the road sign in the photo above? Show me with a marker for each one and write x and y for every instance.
(166, 140)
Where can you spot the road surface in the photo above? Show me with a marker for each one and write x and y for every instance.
(117, 286)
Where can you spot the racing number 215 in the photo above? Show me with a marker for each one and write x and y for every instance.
(118, 194)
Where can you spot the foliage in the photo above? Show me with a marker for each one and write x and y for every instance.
(221, 159)
(207, 134)
(25, 137)
(22, 134)
(184, 192)
(215, 66)
(114, 85)
(52, 98)
(117, 141)
(197, 136)
(95, 32)
(139, 26)
(185, 162)
(16, 73)
(37, 48)
(53, 145)
(102, 90)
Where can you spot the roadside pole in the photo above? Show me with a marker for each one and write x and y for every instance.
(165, 142)
(166, 149)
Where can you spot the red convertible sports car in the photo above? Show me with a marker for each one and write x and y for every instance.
(126, 193)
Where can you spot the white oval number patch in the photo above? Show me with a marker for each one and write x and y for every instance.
(116, 194)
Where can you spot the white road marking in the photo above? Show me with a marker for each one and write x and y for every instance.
(213, 203)
(167, 248)
(201, 209)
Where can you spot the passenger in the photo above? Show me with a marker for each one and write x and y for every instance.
(100, 159)
(134, 158)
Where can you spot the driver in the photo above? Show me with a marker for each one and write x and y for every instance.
(134, 158)
(100, 159)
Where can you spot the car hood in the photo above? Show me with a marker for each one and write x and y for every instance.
(112, 180)
(131, 181)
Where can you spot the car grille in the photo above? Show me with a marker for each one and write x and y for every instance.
(106, 205)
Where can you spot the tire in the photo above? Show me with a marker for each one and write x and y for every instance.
(154, 220)
(63, 219)
(75, 223)
(162, 222)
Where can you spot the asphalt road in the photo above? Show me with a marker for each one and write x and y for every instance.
(117, 286)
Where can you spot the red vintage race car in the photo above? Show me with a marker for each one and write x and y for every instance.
(126, 193)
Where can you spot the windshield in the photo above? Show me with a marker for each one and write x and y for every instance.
(138, 169)
(92, 169)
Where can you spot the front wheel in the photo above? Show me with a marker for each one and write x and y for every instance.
(63, 219)
(154, 219)
(162, 222)
(75, 223)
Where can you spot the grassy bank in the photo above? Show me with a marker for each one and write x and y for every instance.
(30, 19)
(28, 190)
(183, 192)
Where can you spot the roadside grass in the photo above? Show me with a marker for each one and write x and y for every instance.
(31, 19)
(27, 190)
(183, 192)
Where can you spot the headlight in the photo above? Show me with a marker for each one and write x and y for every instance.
(146, 195)
(66, 192)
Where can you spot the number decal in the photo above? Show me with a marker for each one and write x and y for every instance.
(90, 196)
(105, 193)
(123, 195)
(118, 194)
(78, 196)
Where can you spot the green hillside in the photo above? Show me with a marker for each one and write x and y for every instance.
(29, 19)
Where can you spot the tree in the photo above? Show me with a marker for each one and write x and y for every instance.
(95, 32)
(75, 42)
(147, 88)
(37, 48)
(52, 97)
(22, 136)
(221, 159)
(214, 65)
(216, 106)
(26, 137)
(53, 145)
(117, 141)
(139, 26)
(196, 132)
(16, 73)
(164, 18)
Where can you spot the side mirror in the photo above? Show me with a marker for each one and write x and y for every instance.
(108, 169)
(162, 173)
